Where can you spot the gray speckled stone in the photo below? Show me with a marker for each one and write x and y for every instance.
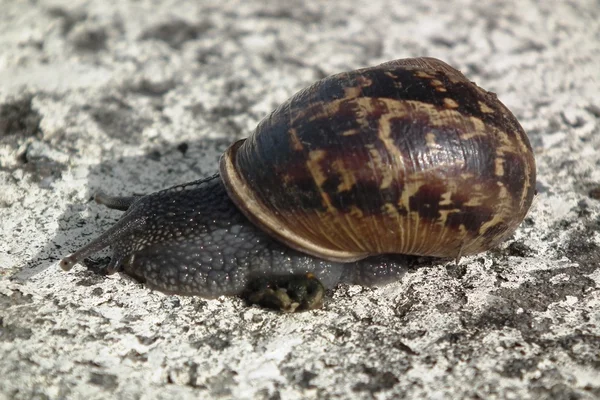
(135, 96)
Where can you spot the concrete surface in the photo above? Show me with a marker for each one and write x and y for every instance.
(133, 96)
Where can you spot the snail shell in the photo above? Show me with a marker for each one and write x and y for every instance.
(405, 157)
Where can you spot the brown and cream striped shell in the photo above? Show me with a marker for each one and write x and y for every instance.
(406, 157)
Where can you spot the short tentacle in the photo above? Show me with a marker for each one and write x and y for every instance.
(115, 264)
(115, 202)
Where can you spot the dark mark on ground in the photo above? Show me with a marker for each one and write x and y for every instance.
(582, 348)
(175, 33)
(217, 342)
(17, 117)
(10, 332)
(106, 381)
(377, 380)
(149, 88)
(538, 294)
(119, 120)
(68, 19)
(16, 298)
(594, 193)
(594, 110)
(518, 367)
(42, 169)
(90, 40)
(299, 14)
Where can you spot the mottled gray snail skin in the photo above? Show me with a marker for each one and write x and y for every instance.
(192, 240)
(407, 157)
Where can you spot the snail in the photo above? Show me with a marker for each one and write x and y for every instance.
(405, 158)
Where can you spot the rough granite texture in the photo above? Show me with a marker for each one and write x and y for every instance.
(134, 96)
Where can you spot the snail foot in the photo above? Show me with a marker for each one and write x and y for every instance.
(288, 294)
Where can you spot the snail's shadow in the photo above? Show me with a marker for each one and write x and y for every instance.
(165, 165)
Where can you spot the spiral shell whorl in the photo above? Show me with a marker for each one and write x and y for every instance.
(405, 157)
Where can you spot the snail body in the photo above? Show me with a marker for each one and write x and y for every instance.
(408, 157)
